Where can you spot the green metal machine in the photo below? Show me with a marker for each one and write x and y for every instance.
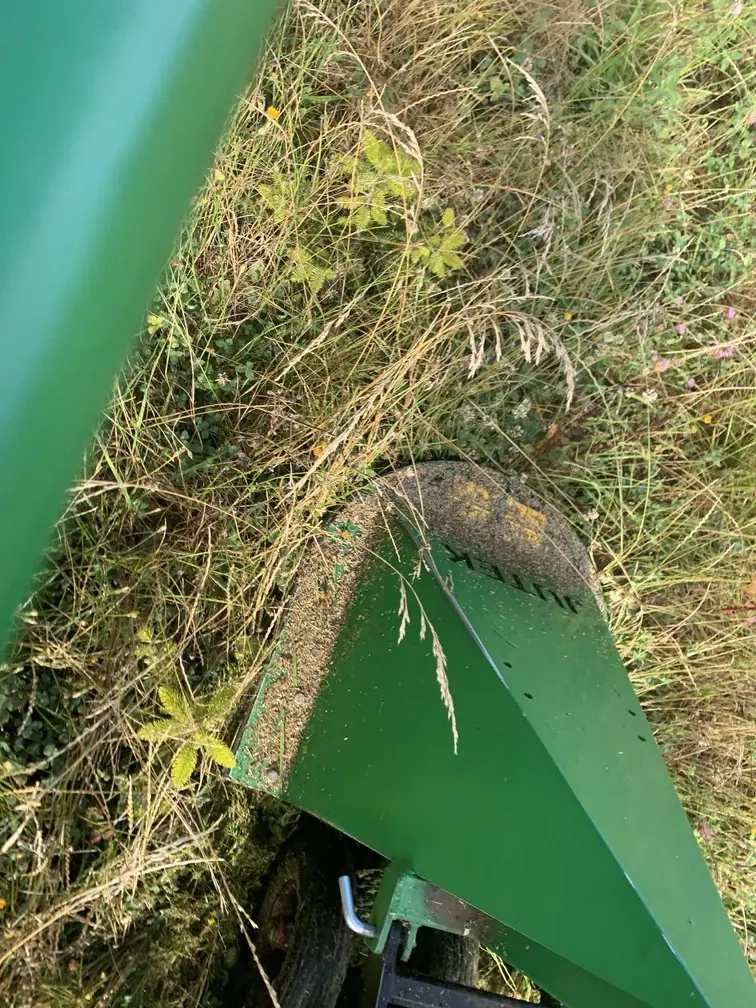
(445, 690)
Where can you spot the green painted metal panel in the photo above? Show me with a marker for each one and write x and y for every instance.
(556, 817)
(110, 114)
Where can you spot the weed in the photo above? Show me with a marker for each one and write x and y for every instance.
(439, 250)
(384, 173)
(190, 724)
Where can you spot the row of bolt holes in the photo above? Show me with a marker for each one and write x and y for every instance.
(634, 714)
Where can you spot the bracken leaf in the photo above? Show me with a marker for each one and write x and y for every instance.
(183, 764)
(375, 149)
(218, 750)
(155, 731)
(451, 259)
(172, 702)
(220, 703)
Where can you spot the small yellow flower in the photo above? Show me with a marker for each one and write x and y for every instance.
(3, 904)
(319, 448)
(346, 535)
(707, 418)
(568, 316)
(210, 921)
(668, 188)
(218, 175)
(272, 112)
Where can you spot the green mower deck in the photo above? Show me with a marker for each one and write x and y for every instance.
(536, 793)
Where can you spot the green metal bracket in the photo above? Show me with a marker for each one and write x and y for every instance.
(403, 896)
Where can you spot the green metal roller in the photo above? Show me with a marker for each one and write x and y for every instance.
(447, 692)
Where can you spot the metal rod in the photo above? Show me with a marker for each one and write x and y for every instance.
(389, 986)
(353, 922)
(424, 992)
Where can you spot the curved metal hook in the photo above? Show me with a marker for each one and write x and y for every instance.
(353, 922)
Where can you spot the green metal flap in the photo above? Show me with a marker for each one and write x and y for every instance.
(556, 816)
(109, 118)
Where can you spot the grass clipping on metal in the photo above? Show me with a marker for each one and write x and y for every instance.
(519, 234)
(326, 581)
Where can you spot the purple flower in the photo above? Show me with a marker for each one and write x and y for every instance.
(722, 352)
(691, 383)
(662, 365)
(730, 313)
(682, 329)
(704, 831)
(679, 301)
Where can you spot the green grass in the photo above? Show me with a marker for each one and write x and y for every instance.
(598, 160)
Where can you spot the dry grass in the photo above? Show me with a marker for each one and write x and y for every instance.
(596, 157)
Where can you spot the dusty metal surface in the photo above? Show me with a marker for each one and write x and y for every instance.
(291, 682)
(452, 913)
(497, 519)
